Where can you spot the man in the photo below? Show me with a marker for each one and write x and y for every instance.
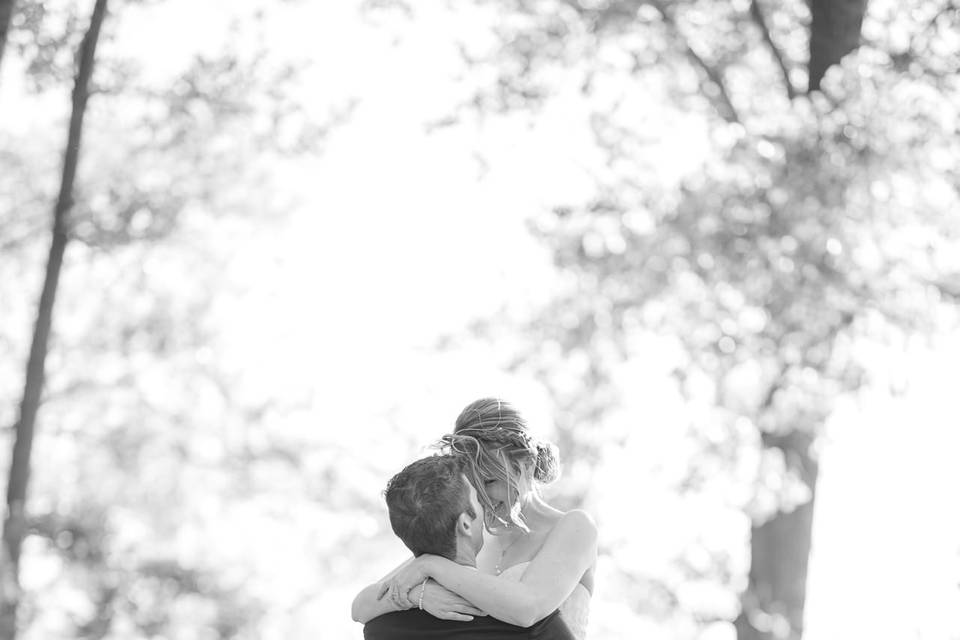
(434, 509)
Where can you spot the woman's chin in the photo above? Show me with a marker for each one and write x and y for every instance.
(500, 528)
(496, 526)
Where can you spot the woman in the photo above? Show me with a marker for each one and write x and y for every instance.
(537, 558)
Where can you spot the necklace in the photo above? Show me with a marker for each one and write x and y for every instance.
(503, 552)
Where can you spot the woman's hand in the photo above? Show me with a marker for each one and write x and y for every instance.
(442, 603)
(398, 585)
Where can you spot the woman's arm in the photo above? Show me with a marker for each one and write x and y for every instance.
(366, 606)
(437, 601)
(442, 603)
(568, 552)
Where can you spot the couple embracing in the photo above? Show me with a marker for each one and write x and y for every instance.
(491, 558)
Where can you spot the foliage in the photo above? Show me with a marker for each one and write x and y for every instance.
(168, 166)
(801, 230)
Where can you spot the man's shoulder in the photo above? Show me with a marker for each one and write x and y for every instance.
(413, 623)
(397, 624)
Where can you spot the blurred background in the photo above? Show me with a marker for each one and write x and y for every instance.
(256, 256)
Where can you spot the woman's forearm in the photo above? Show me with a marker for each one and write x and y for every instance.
(507, 600)
(366, 607)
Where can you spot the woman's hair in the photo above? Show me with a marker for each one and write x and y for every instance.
(492, 438)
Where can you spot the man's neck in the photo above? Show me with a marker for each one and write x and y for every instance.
(465, 555)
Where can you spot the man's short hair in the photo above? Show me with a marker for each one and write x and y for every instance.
(425, 500)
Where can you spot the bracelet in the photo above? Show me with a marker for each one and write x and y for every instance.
(423, 587)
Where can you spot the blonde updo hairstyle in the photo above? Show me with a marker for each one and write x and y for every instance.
(492, 438)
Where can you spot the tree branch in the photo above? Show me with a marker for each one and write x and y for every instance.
(714, 75)
(757, 14)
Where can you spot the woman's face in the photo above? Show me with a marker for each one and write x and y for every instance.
(499, 494)
(504, 496)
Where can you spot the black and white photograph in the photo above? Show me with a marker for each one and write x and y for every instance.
(479, 319)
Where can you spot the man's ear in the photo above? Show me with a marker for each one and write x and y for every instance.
(464, 523)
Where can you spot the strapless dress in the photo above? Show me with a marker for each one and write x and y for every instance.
(575, 609)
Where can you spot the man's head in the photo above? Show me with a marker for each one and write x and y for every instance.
(434, 509)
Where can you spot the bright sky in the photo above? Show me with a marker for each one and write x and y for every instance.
(426, 239)
(405, 235)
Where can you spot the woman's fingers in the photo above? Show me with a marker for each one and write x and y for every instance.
(470, 610)
(382, 590)
(453, 615)
(410, 593)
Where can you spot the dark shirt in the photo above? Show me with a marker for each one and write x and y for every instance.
(414, 624)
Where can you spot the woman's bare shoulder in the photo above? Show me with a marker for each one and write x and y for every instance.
(577, 519)
(576, 523)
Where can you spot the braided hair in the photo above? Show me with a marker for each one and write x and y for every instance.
(492, 438)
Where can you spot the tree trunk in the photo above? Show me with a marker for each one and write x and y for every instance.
(6, 14)
(834, 32)
(14, 526)
(772, 606)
